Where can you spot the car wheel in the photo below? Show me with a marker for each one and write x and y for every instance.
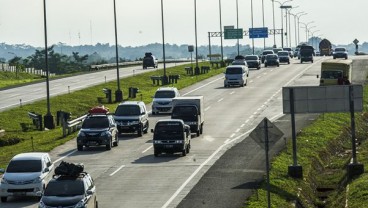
(153, 113)
(156, 153)
(140, 130)
(201, 130)
(96, 204)
(278, 65)
(289, 62)
(4, 199)
(198, 133)
(80, 147)
(225, 86)
(187, 149)
(108, 146)
(184, 152)
(116, 142)
(266, 65)
(146, 130)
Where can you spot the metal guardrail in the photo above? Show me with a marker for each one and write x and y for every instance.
(131, 63)
(72, 126)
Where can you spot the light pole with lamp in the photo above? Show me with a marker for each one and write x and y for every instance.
(298, 17)
(263, 20)
(222, 47)
(288, 16)
(196, 43)
(237, 23)
(48, 118)
(282, 19)
(251, 10)
(295, 26)
(164, 79)
(118, 92)
(273, 22)
(306, 29)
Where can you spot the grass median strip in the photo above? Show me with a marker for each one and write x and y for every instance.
(324, 150)
(78, 103)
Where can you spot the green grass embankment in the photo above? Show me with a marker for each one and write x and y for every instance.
(324, 150)
(78, 103)
(9, 79)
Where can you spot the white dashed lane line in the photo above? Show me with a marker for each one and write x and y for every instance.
(206, 109)
(121, 167)
(220, 100)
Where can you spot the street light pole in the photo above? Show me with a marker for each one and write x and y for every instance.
(251, 9)
(237, 22)
(263, 19)
(288, 12)
(273, 20)
(282, 21)
(222, 49)
(48, 118)
(118, 92)
(298, 17)
(196, 43)
(164, 80)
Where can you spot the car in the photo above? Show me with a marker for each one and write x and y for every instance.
(26, 175)
(318, 53)
(290, 51)
(296, 53)
(253, 61)
(162, 100)
(98, 128)
(276, 50)
(264, 54)
(70, 190)
(132, 116)
(272, 60)
(236, 75)
(171, 136)
(284, 57)
(340, 52)
(149, 60)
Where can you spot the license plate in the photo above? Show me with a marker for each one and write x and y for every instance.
(19, 193)
(92, 143)
(169, 146)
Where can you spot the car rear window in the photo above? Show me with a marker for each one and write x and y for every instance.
(165, 94)
(251, 58)
(65, 188)
(234, 70)
(127, 110)
(95, 122)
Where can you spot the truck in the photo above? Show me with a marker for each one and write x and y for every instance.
(170, 136)
(325, 48)
(336, 72)
(306, 53)
(191, 110)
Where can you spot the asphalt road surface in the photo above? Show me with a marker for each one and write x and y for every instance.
(130, 176)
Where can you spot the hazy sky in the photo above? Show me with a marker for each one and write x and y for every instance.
(75, 22)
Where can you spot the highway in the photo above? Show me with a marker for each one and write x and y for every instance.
(130, 176)
(30, 93)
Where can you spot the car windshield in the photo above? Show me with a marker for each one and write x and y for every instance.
(168, 131)
(267, 52)
(271, 57)
(184, 112)
(128, 110)
(340, 49)
(234, 71)
(24, 166)
(65, 188)
(331, 74)
(95, 123)
(251, 58)
(165, 94)
(283, 53)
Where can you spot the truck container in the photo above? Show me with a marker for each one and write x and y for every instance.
(191, 111)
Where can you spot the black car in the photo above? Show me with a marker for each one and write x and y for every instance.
(253, 61)
(264, 54)
(98, 129)
(77, 190)
(149, 61)
(284, 57)
(272, 60)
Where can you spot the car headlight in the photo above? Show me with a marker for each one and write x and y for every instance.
(80, 204)
(3, 181)
(157, 142)
(179, 141)
(106, 133)
(81, 134)
(133, 122)
(37, 180)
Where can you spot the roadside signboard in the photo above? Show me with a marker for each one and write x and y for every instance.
(258, 32)
(259, 134)
(233, 33)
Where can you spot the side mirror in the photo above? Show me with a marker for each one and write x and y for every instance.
(39, 193)
(46, 170)
(2, 170)
(89, 192)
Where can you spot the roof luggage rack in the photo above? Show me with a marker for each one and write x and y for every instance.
(69, 169)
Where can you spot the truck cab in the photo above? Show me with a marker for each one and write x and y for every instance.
(170, 136)
(334, 72)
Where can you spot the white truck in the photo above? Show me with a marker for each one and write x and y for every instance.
(191, 111)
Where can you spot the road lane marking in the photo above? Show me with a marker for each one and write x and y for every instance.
(258, 77)
(206, 109)
(203, 86)
(232, 92)
(203, 164)
(147, 149)
(220, 100)
(62, 158)
(231, 136)
(247, 121)
(237, 130)
(242, 125)
(251, 81)
(117, 170)
(227, 141)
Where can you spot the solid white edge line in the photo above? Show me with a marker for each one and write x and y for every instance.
(202, 86)
(117, 170)
(62, 158)
(205, 162)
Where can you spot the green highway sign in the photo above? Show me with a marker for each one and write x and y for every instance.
(233, 33)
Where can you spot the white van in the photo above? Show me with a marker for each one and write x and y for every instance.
(26, 175)
(236, 75)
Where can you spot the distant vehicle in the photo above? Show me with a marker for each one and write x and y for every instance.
(170, 136)
(290, 51)
(264, 54)
(306, 53)
(236, 75)
(253, 61)
(333, 72)
(162, 100)
(132, 116)
(318, 53)
(26, 175)
(276, 50)
(325, 48)
(284, 57)
(70, 190)
(191, 111)
(272, 60)
(340, 52)
(239, 62)
(98, 128)
(296, 52)
(149, 61)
